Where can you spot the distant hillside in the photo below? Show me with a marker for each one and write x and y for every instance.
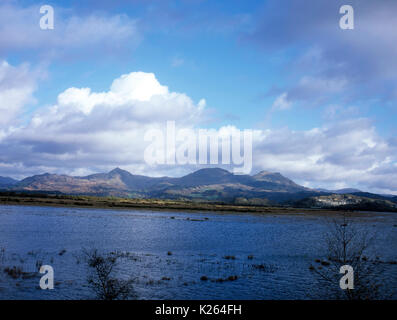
(6, 182)
(349, 202)
(264, 178)
(375, 196)
(340, 191)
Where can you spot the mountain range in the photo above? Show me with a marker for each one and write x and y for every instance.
(210, 184)
(340, 191)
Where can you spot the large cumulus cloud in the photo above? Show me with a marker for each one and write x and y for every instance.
(97, 130)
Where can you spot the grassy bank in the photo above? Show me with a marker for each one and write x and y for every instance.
(56, 200)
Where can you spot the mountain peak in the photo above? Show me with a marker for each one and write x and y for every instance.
(212, 171)
(207, 176)
(274, 177)
(118, 171)
(265, 173)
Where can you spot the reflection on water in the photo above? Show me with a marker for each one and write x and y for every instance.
(175, 255)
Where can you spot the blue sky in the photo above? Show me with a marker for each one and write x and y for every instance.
(284, 68)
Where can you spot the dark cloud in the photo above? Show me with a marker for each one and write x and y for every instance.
(308, 32)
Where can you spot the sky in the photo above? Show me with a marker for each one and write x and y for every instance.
(320, 100)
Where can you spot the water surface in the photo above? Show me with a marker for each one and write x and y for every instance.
(175, 246)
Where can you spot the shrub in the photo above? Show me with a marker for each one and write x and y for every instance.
(101, 279)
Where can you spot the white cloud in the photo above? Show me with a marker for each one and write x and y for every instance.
(132, 98)
(86, 129)
(282, 102)
(348, 152)
(334, 111)
(17, 85)
(20, 32)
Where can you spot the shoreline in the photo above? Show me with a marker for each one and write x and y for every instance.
(89, 202)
